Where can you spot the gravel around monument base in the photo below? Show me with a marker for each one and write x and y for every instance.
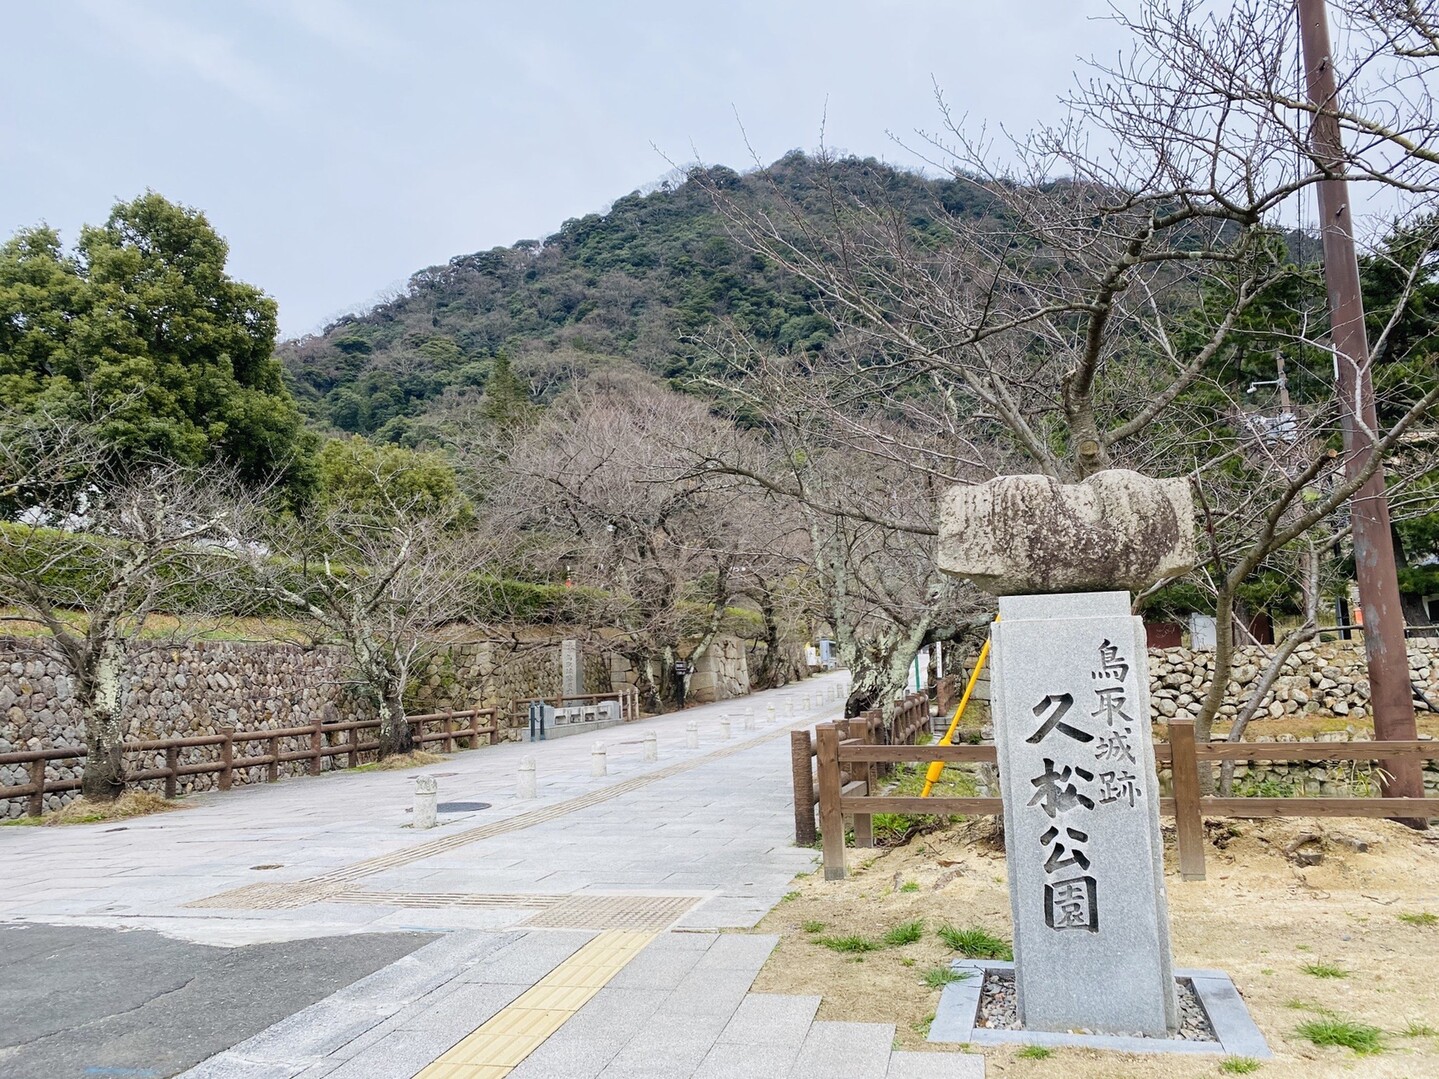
(1258, 916)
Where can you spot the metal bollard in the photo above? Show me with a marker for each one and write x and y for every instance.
(652, 746)
(525, 782)
(597, 760)
(692, 734)
(426, 799)
(724, 729)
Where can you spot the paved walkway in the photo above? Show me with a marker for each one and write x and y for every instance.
(574, 935)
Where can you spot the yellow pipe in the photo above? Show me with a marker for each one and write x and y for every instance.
(936, 768)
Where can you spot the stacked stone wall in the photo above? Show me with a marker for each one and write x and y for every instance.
(1328, 679)
(172, 691)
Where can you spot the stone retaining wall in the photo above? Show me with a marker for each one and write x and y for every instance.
(1327, 679)
(181, 690)
(174, 691)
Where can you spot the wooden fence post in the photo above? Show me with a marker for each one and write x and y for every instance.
(272, 770)
(1188, 825)
(799, 752)
(317, 743)
(354, 754)
(449, 732)
(831, 818)
(172, 770)
(868, 771)
(36, 804)
(227, 758)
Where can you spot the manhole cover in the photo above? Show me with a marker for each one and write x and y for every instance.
(461, 807)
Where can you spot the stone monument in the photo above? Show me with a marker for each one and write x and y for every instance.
(572, 669)
(1070, 700)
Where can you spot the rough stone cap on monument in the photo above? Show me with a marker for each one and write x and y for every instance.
(1030, 534)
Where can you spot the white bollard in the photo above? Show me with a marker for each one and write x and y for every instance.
(525, 781)
(652, 746)
(789, 706)
(692, 734)
(769, 714)
(426, 799)
(597, 760)
(724, 729)
(749, 720)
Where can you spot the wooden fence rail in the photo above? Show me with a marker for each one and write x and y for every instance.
(910, 716)
(453, 726)
(834, 749)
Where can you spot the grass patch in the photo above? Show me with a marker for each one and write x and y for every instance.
(907, 933)
(939, 977)
(1420, 1030)
(1423, 919)
(130, 804)
(1238, 1065)
(892, 829)
(789, 897)
(813, 927)
(1362, 1038)
(976, 943)
(922, 1027)
(1324, 970)
(853, 944)
(913, 886)
(1035, 1052)
(1302, 1005)
(416, 758)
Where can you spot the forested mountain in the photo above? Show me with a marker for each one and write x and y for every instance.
(639, 282)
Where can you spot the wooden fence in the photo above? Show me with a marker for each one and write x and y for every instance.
(454, 726)
(836, 750)
(909, 718)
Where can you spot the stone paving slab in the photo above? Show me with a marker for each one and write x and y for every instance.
(717, 830)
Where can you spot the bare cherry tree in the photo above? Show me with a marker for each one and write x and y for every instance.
(378, 576)
(604, 486)
(87, 562)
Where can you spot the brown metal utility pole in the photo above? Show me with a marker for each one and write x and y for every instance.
(1391, 698)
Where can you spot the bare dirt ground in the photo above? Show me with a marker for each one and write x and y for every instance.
(1259, 916)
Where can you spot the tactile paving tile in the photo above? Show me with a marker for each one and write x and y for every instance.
(652, 912)
(512, 1034)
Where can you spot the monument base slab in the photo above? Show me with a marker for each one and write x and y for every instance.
(956, 1019)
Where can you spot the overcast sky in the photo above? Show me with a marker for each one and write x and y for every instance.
(340, 145)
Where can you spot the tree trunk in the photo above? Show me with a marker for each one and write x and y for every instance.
(395, 735)
(771, 673)
(103, 779)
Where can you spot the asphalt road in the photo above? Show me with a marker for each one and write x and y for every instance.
(98, 1003)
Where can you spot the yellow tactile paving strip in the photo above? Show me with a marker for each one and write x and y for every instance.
(516, 1031)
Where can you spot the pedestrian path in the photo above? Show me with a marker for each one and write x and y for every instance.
(577, 934)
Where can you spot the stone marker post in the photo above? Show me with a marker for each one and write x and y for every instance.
(597, 760)
(426, 802)
(692, 734)
(525, 780)
(1070, 700)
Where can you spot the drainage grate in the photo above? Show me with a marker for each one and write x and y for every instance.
(461, 807)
